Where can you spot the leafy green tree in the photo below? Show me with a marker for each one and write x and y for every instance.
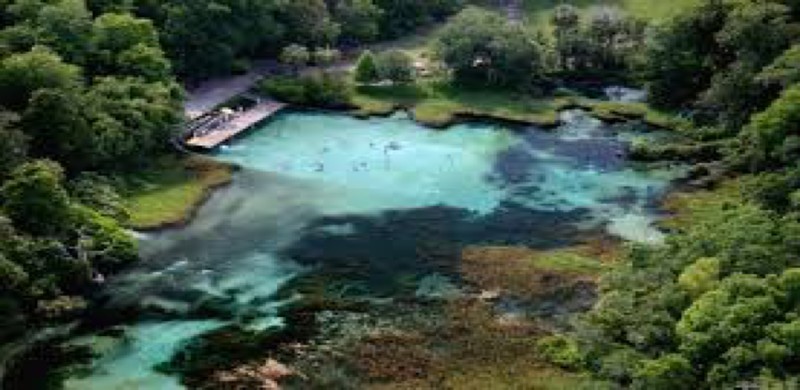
(118, 39)
(23, 74)
(757, 31)
(482, 47)
(665, 373)
(682, 56)
(770, 139)
(359, 19)
(700, 277)
(12, 277)
(366, 68)
(784, 71)
(403, 16)
(566, 22)
(148, 62)
(34, 199)
(395, 65)
(205, 37)
(296, 56)
(13, 143)
(55, 121)
(309, 22)
(734, 95)
(65, 26)
(326, 56)
(131, 120)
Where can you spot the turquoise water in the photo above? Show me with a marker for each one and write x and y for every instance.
(386, 199)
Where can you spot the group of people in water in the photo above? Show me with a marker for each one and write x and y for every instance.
(362, 166)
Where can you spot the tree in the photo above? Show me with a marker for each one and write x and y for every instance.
(66, 27)
(784, 71)
(125, 45)
(482, 47)
(23, 74)
(757, 32)
(403, 16)
(309, 22)
(358, 19)
(366, 69)
(144, 61)
(566, 21)
(770, 139)
(395, 65)
(296, 56)
(131, 120)
(34, 199)
(13, 143)
(681, 58)
(326, 56)
(665, 373)
(700, 277)
(55, 120)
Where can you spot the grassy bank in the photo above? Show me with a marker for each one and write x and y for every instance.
(168, 194)
(686, 208)
(439, 105)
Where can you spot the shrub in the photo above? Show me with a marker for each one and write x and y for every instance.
(317, 90)
(366, 69)
(562, 351)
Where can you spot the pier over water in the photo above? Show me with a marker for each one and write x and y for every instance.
(212, 130)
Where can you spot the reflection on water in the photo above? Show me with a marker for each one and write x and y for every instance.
(381, 200)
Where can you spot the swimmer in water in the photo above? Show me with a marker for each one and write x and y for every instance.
(320, 167)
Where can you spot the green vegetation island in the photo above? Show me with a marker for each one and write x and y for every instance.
(399, 194)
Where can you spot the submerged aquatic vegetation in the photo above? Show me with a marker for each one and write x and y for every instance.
(526, 273)
(323, 256)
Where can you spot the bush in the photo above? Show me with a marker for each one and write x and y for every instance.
(240, 66)
(396, 66)
(562, 351)
(316, 90)
(366, 69)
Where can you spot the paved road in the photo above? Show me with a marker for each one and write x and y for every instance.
(216, 91)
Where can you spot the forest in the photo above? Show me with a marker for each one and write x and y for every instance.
(92, 92)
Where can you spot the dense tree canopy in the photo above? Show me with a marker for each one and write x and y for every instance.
(483, 47)
(717, 306)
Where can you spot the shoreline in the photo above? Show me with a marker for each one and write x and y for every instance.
(593, 108)
(200, 177)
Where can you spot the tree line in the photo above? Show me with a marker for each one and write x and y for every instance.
(209, 37)
(717, 306)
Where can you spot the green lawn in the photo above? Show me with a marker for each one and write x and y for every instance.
(439, 104)
(169, 193)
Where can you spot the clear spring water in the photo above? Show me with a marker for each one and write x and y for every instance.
(321, 188)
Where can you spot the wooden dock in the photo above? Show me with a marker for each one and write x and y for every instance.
(210, 138)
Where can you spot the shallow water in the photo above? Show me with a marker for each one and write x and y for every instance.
(384, 202)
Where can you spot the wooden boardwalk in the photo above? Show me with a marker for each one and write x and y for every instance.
(240, 122)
